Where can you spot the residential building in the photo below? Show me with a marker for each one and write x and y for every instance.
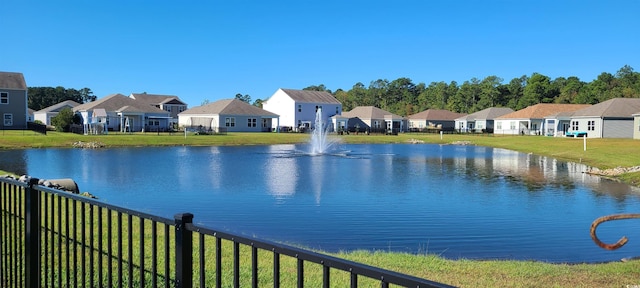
(228, 115)
(117, 112)
(13, 101)
(45, 115)
(481, 121)
(613, 118)
(169, 103)
(297, 108)
(530, 120)
(371, 119)
(434, 119)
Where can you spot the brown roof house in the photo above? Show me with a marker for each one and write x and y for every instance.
(297, 108)
(117, 112)
(13, 101)
(228, 115)
(371, 119)
(613, 118)
(531, 120)
(481, 121)
(437, 119)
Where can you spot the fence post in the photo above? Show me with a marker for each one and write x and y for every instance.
(32, 237)
(184, 250)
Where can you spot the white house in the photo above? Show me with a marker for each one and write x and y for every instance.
(45, 115)
(530, 120)
(297, 108)
(437, 119)
(230, 115)
(613, 118)
(481, 121)
(121, 113)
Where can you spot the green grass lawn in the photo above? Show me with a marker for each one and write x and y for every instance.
(601, 153)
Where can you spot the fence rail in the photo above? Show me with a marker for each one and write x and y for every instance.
(52, 238)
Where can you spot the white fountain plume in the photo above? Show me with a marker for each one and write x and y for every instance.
(320, 143)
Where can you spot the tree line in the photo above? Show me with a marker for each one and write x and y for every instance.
(39, 98)
(403, 97)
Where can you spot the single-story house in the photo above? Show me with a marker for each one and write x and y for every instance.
(13, 101)
(481, 121)
(169, 103)
(371, 119)
(297, 108)
(530, 120)
(229, 115)
(117, 112)
(45, 115)
(434, 119)
(609, 119)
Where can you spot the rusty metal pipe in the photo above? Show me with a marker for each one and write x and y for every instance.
(603, 219)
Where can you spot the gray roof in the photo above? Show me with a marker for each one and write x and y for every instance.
(12, 80)
(119, 103)
(59, 106)
(229, 107)
(489, 113)
(616, 107)
(156, 99)
(436, 114)
(308, 96)
(369, 112)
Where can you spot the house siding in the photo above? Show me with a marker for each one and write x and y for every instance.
(280, 103)
(17, 107)
(636, 126)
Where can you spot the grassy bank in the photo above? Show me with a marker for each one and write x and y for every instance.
(601, 153)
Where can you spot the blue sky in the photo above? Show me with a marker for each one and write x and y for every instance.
(214, 49)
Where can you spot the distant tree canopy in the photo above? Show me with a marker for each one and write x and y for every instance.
(245, 98)
(43, 97)
(403, 97)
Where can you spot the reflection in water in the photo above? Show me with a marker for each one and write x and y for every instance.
(460, 201)
(281, 172)
(14, 161)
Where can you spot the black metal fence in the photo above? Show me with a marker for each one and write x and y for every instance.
(52, 238)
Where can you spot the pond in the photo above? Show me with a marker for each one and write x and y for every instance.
(451, 200)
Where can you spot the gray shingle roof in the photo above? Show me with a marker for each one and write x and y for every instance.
(307, 96)
(436, 114)
(489, 113)
(155, 99)
(369, 112)
(59, 106)
(12, 80)
(119, 103)
(229, 107)
(616, 107)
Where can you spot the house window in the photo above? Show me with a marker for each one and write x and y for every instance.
(574, 125)
(591, 125)
(512, 125)
(4, 98)
(299, 108)
(230, 122)
(8, 119)
(499, 125)
(154, 122)
(264, 123)
(337, 110)
(251, 122)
